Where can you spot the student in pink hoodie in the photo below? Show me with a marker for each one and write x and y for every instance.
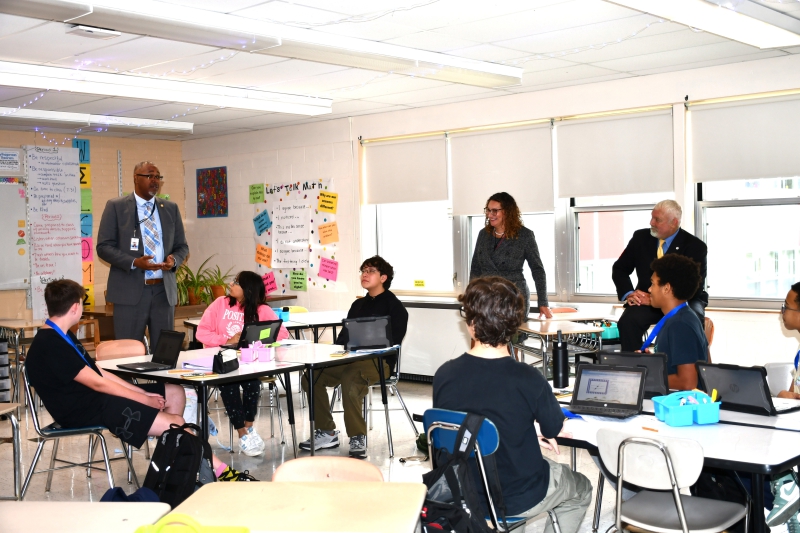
(222, 323)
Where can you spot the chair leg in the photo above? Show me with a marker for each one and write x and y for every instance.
(147, 448)
(230, 429)
(104, 449)
(598, 500)
(52, 464)
(131, 471)
(91, 456)
(369, 407)
(554, 520)
(271, 410)
(333, 397)
(403, 404)
(32, 468)
(280, 417)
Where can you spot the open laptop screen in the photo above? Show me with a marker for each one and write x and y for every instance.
(607, 385)
(740, 388)
(168, 347)
(657, 383)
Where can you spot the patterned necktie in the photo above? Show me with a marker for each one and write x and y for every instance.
(150, 235)
(660, 251)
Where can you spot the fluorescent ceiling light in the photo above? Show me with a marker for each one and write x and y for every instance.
(720, 20)
(39, 118)
(188, 24)
(128, 86)
(92, 32)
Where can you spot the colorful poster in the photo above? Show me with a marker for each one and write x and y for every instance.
(86, 224)
(264, 255)
(328, 202)
(88, 274)
(212, 192)
(88, 298)
(84, 155)
(328, 269)
(86, 176)
(328, 233)
(290, 235)
(86, 200)
(87, 249)
(298, 280)
(256, 193)
(262, 222)
(269, 282)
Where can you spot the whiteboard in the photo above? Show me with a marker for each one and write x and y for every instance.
(14, 252)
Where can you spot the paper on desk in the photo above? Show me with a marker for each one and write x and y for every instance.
(201, 363)
(290, 342)
(376, 350)
(586, 429)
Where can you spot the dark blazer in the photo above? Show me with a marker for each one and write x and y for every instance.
(119, 221)
(641, 252)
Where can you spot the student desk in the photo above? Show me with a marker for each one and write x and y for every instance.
(321, 506)
(14, 330)
(8, 410)
(79, 517)
(243, 373)
(547, 330)
(578, 316)
(757, 450)
(785, 422)
(313, 320)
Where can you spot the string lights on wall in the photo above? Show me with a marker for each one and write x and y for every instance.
(25, 104)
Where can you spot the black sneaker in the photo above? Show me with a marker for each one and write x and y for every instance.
(231, 474)
(322, 439)
(358, 446)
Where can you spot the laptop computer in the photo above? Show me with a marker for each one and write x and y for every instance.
(368, 333)
(166, 355)
(657, 383)
(265, 331)
(606, 390)
(742, 388)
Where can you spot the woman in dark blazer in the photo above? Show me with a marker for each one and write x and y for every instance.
(503, 247)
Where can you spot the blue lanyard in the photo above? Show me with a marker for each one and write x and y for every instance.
(654, 333)
(68, 339)
(797, 359)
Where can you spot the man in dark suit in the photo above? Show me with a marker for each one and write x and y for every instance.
(142, 238)
(664, 236)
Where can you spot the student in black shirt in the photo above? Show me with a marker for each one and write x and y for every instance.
(355, 378)
(515, 396)
(78, 394)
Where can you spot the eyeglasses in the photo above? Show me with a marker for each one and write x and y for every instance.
(785, 308)
(153, 177)
(235, 282)
(368, 271)
(462, 313)
(492, 212)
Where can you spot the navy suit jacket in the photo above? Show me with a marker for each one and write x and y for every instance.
(117, 226)
(641, 252)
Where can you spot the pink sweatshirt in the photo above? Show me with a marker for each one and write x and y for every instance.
(220, 322)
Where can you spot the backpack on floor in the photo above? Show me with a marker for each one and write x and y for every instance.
(180, 465)
(452, 503)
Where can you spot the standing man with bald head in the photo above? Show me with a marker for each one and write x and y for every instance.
(142, 238)
(664, 236)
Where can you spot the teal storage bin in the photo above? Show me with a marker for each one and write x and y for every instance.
(610, 331)
(670, 411)
(283, 315)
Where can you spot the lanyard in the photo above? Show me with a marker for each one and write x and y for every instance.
(499, 242)
(654, 333)
(148, 217)
(797, 359)
(68, 339)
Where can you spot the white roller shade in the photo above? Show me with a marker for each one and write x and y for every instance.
(621, 155)
(518, 162)
(410, 171)
(745, 141)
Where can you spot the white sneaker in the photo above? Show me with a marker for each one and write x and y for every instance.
(251, 432)
(322, 439)
(250, 446)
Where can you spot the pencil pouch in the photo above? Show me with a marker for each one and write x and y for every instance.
(225, 361)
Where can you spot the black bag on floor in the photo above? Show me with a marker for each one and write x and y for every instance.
(722, 485)
(452, 503)
(180, 465)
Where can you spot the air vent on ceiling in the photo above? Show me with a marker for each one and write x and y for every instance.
(91, 32)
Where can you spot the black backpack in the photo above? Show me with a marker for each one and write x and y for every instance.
(181, 464)
(453, 503)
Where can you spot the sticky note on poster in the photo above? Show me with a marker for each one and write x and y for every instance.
(256, 193)
(86, 176)
(86, 225)
(262, 222)
(88, 298)
(20, 223)
(298, 280)
(328, 233)
(264, 255)
(88, 273)
(328, 202)
(86, 200)
(328, 269)
(269, 282)
(87, 249)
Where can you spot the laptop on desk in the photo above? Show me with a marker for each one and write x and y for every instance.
(166, 355)
(743, 389)
(657, 382)
(265, 331)
(606, 390)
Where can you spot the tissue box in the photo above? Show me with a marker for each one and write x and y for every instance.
(670, 411)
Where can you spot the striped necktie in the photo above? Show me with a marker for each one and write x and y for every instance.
(660, 251)
(150, 235)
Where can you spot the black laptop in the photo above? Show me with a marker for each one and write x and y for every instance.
(265, 331)
(606, 390)
(166, 355)
(743, 389)
(657, 382)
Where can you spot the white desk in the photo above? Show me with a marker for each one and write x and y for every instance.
(313, 320)
(576, 333)
(786, 422)
(323, 506)
(79, 517)
(579, 316)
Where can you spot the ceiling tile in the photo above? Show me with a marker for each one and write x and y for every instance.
(463, 98)
(56, 100)
(254, 122)
(228, 6)
(11, 24)
(565, 74)
(539, 65)
(204, 132)
(678, 57)
(764, 54)
(432, 41)
(424, 95)
(571, 82)
(292, 14)
(220, 115)
(171, 111)
(330, 85)
(384, 85)
(264, 76)
(355, 7)
(360, 106)
(489, 52)
(208, 65)
(381, 29)
(17, 96)
(109, 106)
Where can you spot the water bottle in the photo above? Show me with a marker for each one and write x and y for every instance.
(560, 363)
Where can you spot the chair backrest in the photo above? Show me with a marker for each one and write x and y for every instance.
(645, 458)
(297, 309)
(90, 341)
(31, 404)
(326, 468)
(446, 424)
(779, 376)
(118, 349)
(368, 332)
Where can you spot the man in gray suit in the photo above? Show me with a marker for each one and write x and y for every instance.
(142, 238)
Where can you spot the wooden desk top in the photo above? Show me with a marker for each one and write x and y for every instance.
(549, 328)
(79, 517)
(322, 506)
(16, 323)
(7, 407)
(574, 317)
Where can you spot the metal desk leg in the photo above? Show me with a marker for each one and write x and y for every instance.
(311, 400)
(290, 407)
(202, 409)
(15, 442)
(573, 458)
(385, 404)
(545, 351)
(316, 334)
(757, 510)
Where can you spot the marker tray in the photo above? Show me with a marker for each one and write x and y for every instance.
(670, 411)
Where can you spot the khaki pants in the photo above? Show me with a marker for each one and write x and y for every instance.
(354, 378)
(568, 494)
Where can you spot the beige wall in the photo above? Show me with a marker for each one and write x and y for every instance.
(165, 154)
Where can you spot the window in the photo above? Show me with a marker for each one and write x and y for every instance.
(751, 189)
(416, 238)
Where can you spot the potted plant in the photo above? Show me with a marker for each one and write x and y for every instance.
(195, 283)
(217, 281)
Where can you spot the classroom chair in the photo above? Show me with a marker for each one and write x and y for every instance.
(391, 386)
(662, 466)
(327, 468)
(441, 427)
(274, 403)
(779, 376)
(9, 409)
(55, 432)
(88, 340)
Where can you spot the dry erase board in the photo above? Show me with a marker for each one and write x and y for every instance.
(14, 259)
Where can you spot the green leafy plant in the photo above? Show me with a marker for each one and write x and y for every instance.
(193, 283)
(216, 277)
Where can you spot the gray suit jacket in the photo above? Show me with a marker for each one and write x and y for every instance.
(119, 221)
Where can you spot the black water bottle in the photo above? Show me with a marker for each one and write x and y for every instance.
(560, 363)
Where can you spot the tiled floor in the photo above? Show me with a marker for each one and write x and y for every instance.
(72, 484)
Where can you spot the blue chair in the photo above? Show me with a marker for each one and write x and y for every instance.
(441, 427)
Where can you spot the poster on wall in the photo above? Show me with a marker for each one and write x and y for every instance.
(294, 229)
(212, 192)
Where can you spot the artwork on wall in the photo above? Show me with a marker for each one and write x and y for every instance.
(212, 192)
